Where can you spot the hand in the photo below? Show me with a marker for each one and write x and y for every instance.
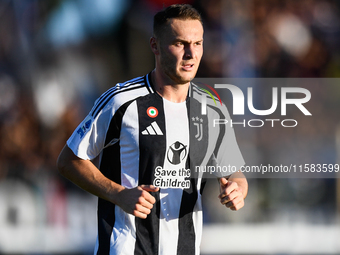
(137, 201)
(231, 194)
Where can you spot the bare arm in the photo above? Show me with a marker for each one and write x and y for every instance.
(137, 201)
(233, 190)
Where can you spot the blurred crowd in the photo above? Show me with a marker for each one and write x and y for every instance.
(58, 56)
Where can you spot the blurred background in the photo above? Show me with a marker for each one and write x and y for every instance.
(58, 56)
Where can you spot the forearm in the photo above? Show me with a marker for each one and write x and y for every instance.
(87, 176)
(241, 181)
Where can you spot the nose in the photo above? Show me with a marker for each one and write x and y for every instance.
(189, 51)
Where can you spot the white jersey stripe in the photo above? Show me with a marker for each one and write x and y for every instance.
(129, 244)
(170, 200)
(120, 232)
(197, 217)
(129, 159)
(129, 179)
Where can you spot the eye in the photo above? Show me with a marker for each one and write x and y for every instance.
(178, 44)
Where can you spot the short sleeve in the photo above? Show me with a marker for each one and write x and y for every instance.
(88, 140)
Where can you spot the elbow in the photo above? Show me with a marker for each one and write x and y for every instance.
(63, 161)
(67, 162)
(61, 165)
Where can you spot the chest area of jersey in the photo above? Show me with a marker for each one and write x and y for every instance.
(157, 128)
(162, 139)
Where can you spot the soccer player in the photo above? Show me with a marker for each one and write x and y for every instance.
(135, 150)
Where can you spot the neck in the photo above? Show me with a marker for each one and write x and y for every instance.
(176, 93)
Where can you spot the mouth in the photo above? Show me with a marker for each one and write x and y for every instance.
(188, 67)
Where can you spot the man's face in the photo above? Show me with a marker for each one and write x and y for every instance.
(180, 50)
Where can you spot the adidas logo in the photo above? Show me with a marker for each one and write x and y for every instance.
(153, 129)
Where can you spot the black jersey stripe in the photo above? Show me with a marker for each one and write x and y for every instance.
(186, 231)
(110, 96)
(110, 167)
(218, 111)
(147, 230)
(115, 124)
(106, 220)
(198, 149)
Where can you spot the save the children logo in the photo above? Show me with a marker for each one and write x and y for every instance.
(176, 153)
(173, 174)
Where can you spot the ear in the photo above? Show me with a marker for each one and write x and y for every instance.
(154, 45)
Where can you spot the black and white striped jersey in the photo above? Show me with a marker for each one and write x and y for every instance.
(137, 137)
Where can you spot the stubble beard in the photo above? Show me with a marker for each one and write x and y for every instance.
(174, 74)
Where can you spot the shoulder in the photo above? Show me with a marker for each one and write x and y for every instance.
(196, 91)
(208, 99)
(122, 93)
